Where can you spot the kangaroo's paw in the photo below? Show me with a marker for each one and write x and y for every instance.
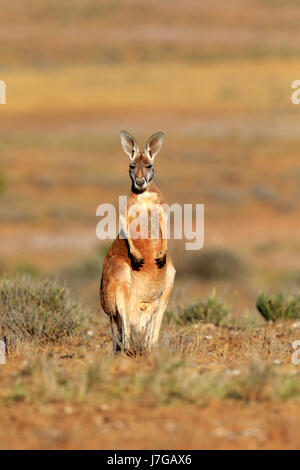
(137, 259)
(161, 258)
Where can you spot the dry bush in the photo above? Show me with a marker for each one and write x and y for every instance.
(39, 311)
(278, 306)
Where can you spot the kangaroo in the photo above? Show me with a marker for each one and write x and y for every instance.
(138, 275)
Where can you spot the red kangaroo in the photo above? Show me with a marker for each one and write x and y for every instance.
(138, 275)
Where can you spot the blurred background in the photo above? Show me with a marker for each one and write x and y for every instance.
(214, 76)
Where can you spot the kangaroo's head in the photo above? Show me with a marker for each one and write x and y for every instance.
(141, 164)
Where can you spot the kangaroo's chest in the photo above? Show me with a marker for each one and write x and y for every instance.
(143, 217)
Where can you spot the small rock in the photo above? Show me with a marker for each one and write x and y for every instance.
(208, 326)
(233, 372)
(254, 432)
(68, 410)
(170, 426)
(119, 425)
(224, 433)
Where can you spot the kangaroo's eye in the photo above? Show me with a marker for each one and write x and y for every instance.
(149, 166)
(132, 167)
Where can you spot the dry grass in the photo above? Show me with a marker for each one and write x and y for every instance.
(194, 363)
(159, 378)
(195, 367)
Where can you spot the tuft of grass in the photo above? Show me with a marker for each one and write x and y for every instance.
(252, 385)
(278, 306)
(210, 310)
(288, 387)
(39, 311)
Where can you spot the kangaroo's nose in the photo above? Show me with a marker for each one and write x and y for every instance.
(140, 181)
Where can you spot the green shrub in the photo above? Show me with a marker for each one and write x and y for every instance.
(278, 306)
(210, 310)
(40, 311)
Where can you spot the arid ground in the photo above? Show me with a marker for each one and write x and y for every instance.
(217, 80)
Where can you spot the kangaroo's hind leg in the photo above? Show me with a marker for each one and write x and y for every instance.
(115, 300)
(122, 306)
(116, 332)
(159, 314)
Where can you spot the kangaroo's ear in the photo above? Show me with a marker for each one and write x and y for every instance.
(129, 144)
(154, 144)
